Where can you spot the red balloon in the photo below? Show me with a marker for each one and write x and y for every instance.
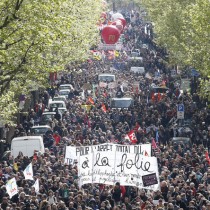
(110, 34)
(123, 21)
(103, 15)
(118, 24)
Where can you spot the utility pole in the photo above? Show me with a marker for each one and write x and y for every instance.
(114, 7)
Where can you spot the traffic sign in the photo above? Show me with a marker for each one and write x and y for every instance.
(180, 111)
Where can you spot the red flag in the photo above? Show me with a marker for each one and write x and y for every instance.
(159, 96)
(103, 107)
(207, 157)
(154, 145)
(91, 100)
(153, 97)
(132, 137)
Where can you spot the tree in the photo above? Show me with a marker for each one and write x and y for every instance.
(38, 37)
(183, 27)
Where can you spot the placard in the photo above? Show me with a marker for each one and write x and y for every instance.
(149, 180)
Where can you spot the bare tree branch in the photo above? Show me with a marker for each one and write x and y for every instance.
(10, 44)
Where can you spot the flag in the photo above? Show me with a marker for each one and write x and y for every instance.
(132, 137)
(15, 166)
(103, 107)
(159, 97)
(153, 97)
(117, 54)
(91, 100)
(157, 136)
(207, 157)
(28, 172)
(154, 145)
(11, 187)
(36, 186)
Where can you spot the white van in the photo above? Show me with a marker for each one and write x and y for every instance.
(106, 78)
(117, 103)
(139, 70)
(56, 104)
(27, 145)
(66, 87)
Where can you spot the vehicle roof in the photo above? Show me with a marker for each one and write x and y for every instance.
(66, 85)
(118, 99)
(55, 102)
(26, 137)
(180, 139)
(59, 96)
(106, 75)
(64, 90)
(41, 126)
(158, 87)
(45, 113)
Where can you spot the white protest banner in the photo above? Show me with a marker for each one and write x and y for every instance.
(142, 149)
(104, 164)
(73, 153)
(36, 186)
(131, 167)
(109, 163)
(11, 187)
(28, 172)
(70, 156)
(85, 168)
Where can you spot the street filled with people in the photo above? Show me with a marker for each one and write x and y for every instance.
(114, 93)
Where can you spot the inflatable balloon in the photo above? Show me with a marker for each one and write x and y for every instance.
(118, 24)
(110, 34)
(115, 16)
(123, 21)
(103, 17)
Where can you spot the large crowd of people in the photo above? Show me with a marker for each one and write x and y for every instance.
(184, 168)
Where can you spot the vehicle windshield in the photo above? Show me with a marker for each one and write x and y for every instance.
(39, 130)
(134, 54)
(62, 93)
(122, 103)
(58, 99)
(106, 78)
(65, 87)
(54, 105)
(47, 116)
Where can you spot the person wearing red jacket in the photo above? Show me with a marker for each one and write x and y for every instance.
(57, 138)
